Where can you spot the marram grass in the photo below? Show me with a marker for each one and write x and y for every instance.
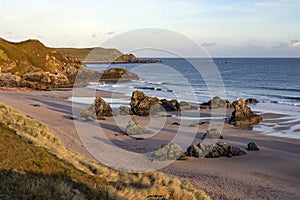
(118, 185)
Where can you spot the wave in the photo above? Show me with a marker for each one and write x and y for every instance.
(279, 89)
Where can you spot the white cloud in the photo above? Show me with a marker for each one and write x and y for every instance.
(295, 43)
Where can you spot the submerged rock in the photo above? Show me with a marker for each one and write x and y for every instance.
(118, 74)
(252, 147)
(242, 116)
(134, 127)
(252, 100)
(169, 151)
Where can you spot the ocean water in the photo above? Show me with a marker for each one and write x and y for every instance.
(275, 82)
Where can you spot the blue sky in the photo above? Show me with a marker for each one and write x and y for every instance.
(232, 28)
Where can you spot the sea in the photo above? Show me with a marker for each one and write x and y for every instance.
(274, 82)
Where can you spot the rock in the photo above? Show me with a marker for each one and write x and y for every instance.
(252, 147)
(216, 102)
(126, 58)
(176, 123)
(89, 113)
(171, 105)
(204, 122)
(169, 151)
(141, 104)
(183, 105)
(235, 151)
(220, 149)
(252, 100)
(125, 110)
(102, 108)
(48, 79)
(98, 110)
(118, 74)
(194, 151)
(135, 128)
(242, 116)
(212, 134)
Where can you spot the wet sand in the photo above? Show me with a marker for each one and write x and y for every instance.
(271, 173)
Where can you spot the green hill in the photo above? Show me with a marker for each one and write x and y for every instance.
(30, 55)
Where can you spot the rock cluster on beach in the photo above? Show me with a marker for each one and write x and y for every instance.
(242, 116)
(220, 149)
(216, 102)
(143, 105)
(117, 74)
(98, 110)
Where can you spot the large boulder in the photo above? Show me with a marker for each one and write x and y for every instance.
(143, 105)
(134, 127)
(117, 74)
(216, 102)
(220, 149)
(98, 110)
(183, 105)
(169, 151)
(242, 116)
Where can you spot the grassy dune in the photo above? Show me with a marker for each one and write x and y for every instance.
(31, 157)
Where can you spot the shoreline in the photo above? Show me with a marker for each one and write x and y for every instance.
(270, 173)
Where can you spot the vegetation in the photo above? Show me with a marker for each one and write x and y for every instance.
(31, 55)
(44, 167)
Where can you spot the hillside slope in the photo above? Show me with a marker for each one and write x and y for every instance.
(32, 55)
(35, 167)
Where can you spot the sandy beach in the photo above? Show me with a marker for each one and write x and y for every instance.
(271, 173)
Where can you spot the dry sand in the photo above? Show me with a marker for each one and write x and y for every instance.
(271, 173)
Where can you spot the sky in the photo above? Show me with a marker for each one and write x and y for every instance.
(225, 28)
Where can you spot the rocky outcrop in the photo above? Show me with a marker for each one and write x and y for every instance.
(143, 105)
(98, 110)
(252, 147)
(212, 134)
(126, 58)
(134, 127)
(242, 116)
(117, 74)
(220, 149)
(216, 102)
(47, 79)
(169, 151)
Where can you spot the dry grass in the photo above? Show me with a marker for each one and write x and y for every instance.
(119, 184)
